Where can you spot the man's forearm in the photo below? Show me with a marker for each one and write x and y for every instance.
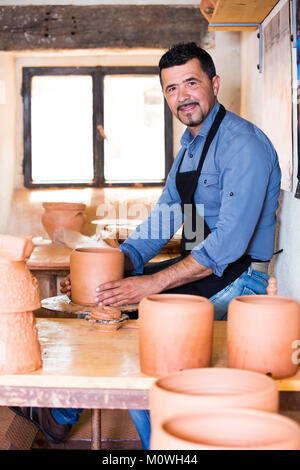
(185, 271)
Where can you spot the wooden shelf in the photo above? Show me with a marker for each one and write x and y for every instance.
(240, 11)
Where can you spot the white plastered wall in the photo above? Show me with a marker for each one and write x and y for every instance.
(285, 266)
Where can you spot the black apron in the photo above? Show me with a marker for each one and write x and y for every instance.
(186, 183)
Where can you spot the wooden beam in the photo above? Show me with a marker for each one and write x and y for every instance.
(80, 27)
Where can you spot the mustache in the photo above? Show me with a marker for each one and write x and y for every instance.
(187, 103)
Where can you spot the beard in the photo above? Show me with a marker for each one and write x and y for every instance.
(192, 121)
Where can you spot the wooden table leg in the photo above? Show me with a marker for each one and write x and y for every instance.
(96, 429)
(53, 285)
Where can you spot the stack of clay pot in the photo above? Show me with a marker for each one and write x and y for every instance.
(175, 333)
(20, 350)
(63, 214)
(90, 267)
(263, 332)
(218, 408)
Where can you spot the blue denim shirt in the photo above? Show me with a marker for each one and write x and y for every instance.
(239, 187)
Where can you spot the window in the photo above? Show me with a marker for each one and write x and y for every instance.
(94, 126)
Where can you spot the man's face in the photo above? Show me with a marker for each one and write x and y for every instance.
(190, 93)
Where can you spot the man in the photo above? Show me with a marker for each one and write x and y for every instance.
(226, 164)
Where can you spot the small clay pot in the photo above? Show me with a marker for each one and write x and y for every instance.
(175, 333)
(19, 290)
(233, 429)
(261, 330)
(63, 214)
(20, 350)
(199, 390)
(15, 248)
(90, 267)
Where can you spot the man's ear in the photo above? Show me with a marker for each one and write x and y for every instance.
(216, 84)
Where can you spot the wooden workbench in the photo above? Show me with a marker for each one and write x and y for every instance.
(84, 367)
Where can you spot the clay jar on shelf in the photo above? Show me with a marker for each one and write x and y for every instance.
(262, 334)
(20, 350)
(90, 267)
(175, 333)
(232, 429)
(63, 214)
(198, 390)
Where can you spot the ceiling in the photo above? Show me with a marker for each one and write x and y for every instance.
(103, 2)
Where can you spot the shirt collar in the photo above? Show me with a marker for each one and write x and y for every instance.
(187, 137)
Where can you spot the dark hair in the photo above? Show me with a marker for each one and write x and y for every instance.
(181, 53)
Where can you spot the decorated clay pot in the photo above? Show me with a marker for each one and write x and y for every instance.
(20, 350)
(175, 333)
(90, 267)
(262, 333)
(19, 290)
(198, 390)
(232, 429)
(63, 214)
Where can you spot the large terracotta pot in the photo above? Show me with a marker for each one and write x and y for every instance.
(63, 214)
(175, 333)
(20, 350)
(261, 330)
(19, 290)
(198, 390)
(233, 429)
(90, 267)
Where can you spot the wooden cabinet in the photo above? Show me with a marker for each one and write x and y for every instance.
(237, 11)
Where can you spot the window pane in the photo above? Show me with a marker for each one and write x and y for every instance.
(134, 126)
(62, 129)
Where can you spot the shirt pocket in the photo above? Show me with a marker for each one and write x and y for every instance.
(208, 190)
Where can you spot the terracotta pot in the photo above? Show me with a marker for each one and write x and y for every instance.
(19, 290)
(175, 333)
(63, 214)
(233, 429)
(199, 390)
(20, 350)
(90, 267)
(15, 248)
(261, 330)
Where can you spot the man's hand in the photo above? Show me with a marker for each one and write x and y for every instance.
(130, 290)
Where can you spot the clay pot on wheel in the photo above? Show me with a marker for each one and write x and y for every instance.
(90, 267)
(175, 333)
(261, 334)
(20, 350)
(63, 214)
(198, 390)
(232, 429)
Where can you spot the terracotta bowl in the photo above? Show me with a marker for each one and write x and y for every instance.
(175, 333)
(198, 390)
(90, 267)
(63, 214)
(261, 331)
(233, 429)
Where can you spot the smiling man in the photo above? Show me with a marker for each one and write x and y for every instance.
(226, 165)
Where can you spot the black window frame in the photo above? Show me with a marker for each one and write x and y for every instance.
(97, 73)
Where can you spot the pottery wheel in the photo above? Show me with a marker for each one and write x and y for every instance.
(62, 303)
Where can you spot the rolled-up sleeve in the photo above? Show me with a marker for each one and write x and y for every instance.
(245, 169)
